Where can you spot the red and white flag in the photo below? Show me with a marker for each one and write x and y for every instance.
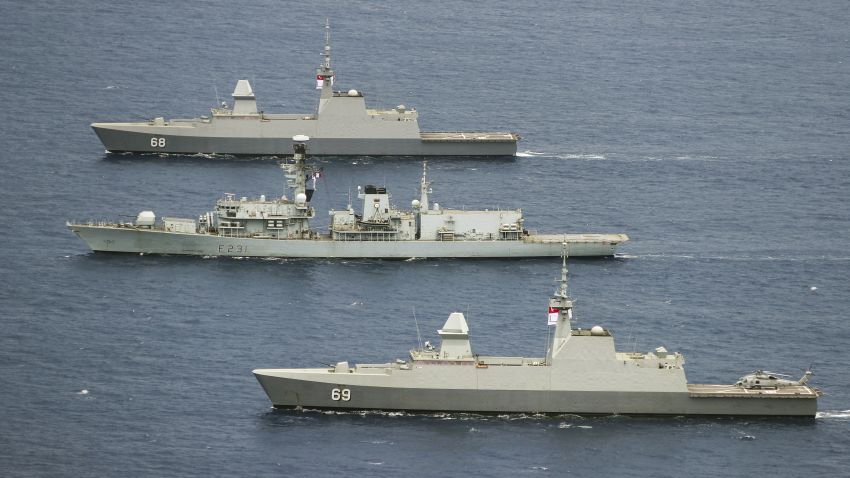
(320, 81)
(553, 316)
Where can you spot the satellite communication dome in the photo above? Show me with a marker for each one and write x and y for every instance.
(415, 203)
(300, 138)
(353, 92)
(300, 198)
(146, 218)
(597, 330)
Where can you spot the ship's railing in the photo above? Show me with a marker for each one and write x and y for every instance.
(361, 236)
(288, 116)
(611, 239)
(469, 136)
(271, 235)
(513, 361)
(114, 223)
(394, 115)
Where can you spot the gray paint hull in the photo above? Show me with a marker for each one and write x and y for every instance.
(129, 137)
(290, 393)
(126, 239)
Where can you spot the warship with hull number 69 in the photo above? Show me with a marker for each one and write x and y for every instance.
(341, 125)
(582, 373)
(279, 227)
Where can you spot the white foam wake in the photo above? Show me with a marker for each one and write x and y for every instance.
(529, 154)
(840, 414)
(590, 156)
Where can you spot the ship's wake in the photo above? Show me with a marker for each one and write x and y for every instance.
(460, 416)
(581, 156)
(529, 154)
(740, 258)
(833, 414)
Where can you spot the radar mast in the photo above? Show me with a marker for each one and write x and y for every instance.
(424, 187)
(561, 304)
(296, 171)
(325, 74)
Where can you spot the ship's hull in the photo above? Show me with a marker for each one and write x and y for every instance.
(277, 140)
(291, 393)
(146, 241)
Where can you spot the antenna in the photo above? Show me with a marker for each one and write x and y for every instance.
(424, 187)
(324, 73)
(327, 53)
(418, 335)
(562, 290)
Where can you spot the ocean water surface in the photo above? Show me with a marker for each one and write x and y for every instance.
(715, 135)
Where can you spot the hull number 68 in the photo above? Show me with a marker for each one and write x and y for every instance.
(157, 142)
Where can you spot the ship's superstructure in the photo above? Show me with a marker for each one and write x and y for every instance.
(382, 221)
(279, 227)
(342, 125)
(581, 373)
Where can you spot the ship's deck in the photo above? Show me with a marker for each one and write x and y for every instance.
(558, 238)
(731, 391)
(462, 137)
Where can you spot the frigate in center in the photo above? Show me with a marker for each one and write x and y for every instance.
(581, 373)
(341, 125)
(279, 227)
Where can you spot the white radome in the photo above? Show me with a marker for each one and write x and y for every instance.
(146, 218)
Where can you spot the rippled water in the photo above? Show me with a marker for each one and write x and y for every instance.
(714, 135)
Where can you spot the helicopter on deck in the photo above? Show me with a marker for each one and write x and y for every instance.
(760, 379)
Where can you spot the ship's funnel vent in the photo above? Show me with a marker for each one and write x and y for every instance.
(243, 90)
(375, 190)
(455, 338)
(244, 101)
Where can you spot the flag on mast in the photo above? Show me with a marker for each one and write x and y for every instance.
(316, 175)
(553, 316)
(320, 79)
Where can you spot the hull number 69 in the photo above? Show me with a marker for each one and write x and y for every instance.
(343, 394)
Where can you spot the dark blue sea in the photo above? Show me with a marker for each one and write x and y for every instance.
(716, 134)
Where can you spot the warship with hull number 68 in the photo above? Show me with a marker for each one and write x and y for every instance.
(341, 125)
(279, 227)
(582, 373)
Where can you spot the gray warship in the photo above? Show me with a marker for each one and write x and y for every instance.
(279, 227)
(582, 373)
(341, 125)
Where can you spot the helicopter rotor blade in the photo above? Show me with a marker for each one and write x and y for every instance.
(775, 373)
